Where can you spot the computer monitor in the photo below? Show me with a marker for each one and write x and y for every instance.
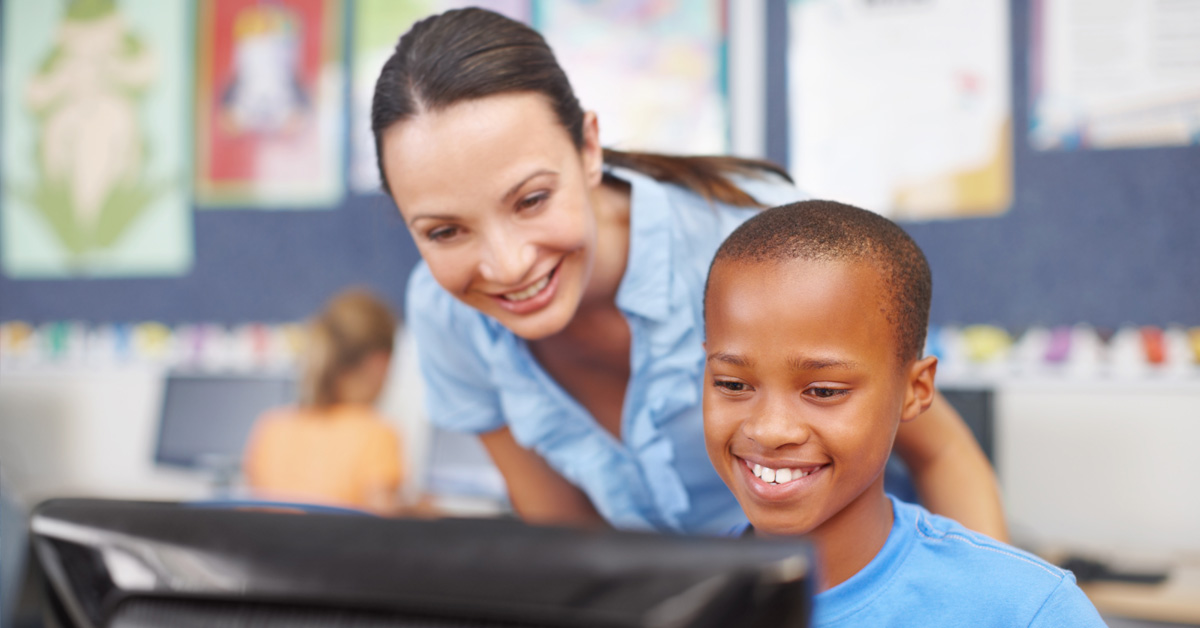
(122, 564)
(205, 418)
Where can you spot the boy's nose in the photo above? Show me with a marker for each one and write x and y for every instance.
(775, 423)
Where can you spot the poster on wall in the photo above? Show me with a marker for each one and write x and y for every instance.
(95, 149)
(378, 25)
(269, 104)
(902, 107)
(653, 71)
(1114, 73)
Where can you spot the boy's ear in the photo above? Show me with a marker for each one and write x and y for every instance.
(919, 390)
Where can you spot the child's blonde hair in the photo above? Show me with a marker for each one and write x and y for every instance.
(353, 325)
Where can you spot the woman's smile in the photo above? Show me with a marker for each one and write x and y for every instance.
(531, 298)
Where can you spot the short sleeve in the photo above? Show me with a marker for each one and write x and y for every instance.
(1068, 606)
(383, 458)
(459, 393)
(258, 457)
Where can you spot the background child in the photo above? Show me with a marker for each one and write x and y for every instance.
(816, 315)
(334, 447)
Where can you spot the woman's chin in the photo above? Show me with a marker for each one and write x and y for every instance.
(540, 325)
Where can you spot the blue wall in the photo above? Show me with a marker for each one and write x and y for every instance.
(1106, 237)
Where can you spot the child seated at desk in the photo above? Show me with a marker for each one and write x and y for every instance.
(334, 448)
(815, 315)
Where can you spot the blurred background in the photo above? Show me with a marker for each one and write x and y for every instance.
(183, 182)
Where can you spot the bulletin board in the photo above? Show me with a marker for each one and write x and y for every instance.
(1108, 237)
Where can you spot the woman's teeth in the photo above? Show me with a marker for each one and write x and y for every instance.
(775, 476)
(528, 292)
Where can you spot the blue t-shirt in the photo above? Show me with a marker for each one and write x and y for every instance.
(480, 377)
(933, 572)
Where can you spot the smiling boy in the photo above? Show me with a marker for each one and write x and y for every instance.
(815, 316)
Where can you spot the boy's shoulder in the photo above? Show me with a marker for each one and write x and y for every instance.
(934, 572)
(944, 540)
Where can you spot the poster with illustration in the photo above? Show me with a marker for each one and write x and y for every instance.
(652, 70)
(902, 107)
(378, 25)
(95, 152)
(1108, 74)
(269, 104)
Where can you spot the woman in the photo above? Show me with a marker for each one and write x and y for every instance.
(558, 309)
(334, 448)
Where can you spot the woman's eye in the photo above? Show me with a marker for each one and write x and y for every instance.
(442, 233)
(532, 201)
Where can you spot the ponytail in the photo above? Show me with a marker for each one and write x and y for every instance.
(353, 325)
(466, 54)
(707, 176)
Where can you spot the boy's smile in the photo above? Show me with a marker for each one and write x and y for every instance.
(803, 392)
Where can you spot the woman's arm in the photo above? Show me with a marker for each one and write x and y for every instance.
(951, 473)
(537, 492)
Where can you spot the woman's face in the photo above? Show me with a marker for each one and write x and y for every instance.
(498, 200)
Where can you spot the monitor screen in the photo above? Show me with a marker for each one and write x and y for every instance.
(113, 563)
(205, 419)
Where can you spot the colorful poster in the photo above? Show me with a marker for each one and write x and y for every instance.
(95, 151)
(902, 107)
(269, 103)
(378, 25)
(1114, 73)
(653, 71)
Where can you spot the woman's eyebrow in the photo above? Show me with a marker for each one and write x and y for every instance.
(420, 217)
(517, 188)
(507, 196)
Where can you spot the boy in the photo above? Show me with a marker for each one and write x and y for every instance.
(815, 315)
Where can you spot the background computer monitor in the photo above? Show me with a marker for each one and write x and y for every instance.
(206, 418)
(120, 563)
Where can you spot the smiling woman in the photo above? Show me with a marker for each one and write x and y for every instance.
(519, 240)
(558, 311)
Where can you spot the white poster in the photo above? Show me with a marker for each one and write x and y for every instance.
(902, 107)
(1114, 73)
(653, 71)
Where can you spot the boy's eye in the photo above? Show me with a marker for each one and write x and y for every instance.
(730, 386)
(826, 393)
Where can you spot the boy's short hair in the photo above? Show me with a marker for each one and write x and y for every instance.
(831, 231)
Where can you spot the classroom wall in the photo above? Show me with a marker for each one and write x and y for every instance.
(1105, 237)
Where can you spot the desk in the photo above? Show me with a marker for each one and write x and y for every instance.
(1177, 599)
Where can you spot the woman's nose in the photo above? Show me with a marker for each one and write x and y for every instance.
(507, 258)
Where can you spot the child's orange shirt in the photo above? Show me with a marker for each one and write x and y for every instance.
(346, 455)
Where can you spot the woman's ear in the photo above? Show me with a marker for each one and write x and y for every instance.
(919, 389)
(592, 153)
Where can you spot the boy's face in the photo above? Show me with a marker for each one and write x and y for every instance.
(803, 389)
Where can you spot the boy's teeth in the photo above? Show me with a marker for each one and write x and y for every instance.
(775, 476)
(528, 292)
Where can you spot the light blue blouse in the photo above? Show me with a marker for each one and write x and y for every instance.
(480, 377)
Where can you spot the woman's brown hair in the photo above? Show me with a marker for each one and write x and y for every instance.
(353, 325)
(466, 54)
